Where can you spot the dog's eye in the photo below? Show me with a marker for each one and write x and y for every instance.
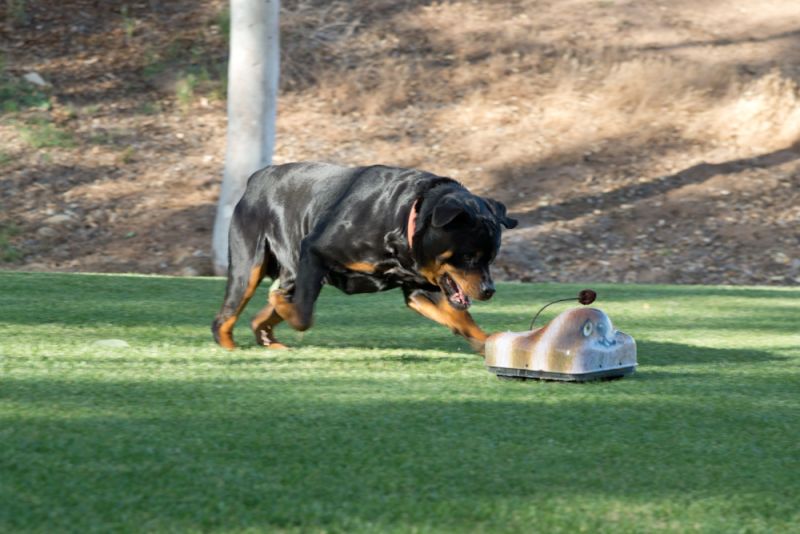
(587, 329)
(474, 259)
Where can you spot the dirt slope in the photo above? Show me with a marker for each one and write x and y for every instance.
(635, 141)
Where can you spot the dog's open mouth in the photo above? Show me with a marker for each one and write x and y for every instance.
(455, 294)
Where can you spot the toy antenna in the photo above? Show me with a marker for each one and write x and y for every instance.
(585, 297)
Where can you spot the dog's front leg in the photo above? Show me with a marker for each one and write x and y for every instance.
(297, 307)
(435, 306)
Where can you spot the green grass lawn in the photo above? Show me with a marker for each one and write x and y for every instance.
(380, 420)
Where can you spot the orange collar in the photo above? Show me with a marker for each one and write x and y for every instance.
(412, 224)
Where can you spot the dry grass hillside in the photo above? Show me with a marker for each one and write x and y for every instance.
(635, 141)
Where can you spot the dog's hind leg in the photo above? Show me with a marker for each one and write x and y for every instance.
(247, 265)
(265, 321)
(263, 325)
(296, 306)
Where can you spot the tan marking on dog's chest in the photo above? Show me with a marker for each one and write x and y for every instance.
(361, 267)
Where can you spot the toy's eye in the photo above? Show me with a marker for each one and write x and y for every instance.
(587, 329)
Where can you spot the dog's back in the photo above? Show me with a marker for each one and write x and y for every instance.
(295, 200)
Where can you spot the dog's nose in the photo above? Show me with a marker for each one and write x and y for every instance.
(487, 290)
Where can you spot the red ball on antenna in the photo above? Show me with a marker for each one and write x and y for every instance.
(586, 297)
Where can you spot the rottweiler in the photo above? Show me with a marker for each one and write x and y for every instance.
(362, 230)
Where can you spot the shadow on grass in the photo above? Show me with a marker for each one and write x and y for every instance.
(269, 453)
(653, 353)
(650, 354)
(262, 358)
(643, 292)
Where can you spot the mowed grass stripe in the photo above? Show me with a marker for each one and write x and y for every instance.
(379, 420)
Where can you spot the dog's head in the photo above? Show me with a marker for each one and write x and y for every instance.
(457, 243)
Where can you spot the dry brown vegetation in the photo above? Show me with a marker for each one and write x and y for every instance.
(636, 141)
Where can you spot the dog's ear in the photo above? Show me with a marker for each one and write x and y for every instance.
(498, 209)
(447, 210)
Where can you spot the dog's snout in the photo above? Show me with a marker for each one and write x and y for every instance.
(487, 289)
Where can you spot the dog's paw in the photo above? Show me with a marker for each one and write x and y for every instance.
(478, 346)
(266, 339)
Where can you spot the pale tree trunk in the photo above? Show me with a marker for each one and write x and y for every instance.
(252, 98)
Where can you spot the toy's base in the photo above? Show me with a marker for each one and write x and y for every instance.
(525, 374)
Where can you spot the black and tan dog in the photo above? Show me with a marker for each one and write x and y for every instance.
(361, 230)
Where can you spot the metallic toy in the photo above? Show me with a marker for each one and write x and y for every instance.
(578, 345)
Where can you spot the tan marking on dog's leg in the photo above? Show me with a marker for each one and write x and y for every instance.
(459, 321)
(286, 310)
(225, 334)
(225, 331)
(263, 325)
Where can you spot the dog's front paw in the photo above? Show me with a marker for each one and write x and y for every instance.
(478, 345)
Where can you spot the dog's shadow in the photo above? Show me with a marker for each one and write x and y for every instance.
(421, 340)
